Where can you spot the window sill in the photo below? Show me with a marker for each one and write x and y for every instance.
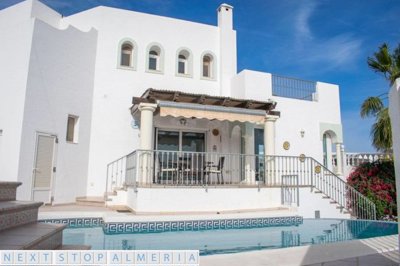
(154, 71)
(184, 75)
(126, 68)
(72, 142)
(209, 79)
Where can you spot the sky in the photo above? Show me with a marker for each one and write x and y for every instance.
(321, 40)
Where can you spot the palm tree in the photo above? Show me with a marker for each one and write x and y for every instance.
(387, 64)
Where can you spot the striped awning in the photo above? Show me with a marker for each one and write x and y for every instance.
(210, 112)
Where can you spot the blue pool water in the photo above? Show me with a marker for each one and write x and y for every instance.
(311, 231)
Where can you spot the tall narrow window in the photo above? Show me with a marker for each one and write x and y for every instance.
(182, 64)
(207, 66)
(126, 55)
(72, 129)
(154, 60)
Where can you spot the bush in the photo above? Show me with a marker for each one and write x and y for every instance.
(377, 182)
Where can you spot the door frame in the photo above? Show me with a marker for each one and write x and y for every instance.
(54, 160)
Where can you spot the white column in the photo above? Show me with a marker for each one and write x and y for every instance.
(248, 135)
(146, 125)
(339, 168)
(146, 136)
(269, 134)
(269, 149)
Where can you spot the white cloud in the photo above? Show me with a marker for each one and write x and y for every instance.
(323, 53)
(340, 50)
(302, 18)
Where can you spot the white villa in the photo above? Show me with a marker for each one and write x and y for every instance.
(150, 113)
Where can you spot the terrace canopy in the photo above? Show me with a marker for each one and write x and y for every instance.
(188, 105)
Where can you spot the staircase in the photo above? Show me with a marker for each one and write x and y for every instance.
(19, 228)
(347, 198)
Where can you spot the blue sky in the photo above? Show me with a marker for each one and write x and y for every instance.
(325, 40)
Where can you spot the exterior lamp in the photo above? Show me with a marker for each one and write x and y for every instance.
(302, 132)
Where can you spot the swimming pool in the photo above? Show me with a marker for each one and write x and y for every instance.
(311, 231)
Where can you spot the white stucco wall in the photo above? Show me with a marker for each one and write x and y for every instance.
(16, 28)
(60, 82)
(160, 200)
(296, 115)
(112, 135)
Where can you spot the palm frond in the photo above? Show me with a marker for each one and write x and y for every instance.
(371, 107)
(381, 131)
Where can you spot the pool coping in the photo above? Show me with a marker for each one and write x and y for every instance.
(307, 255)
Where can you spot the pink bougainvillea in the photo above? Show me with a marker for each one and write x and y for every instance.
(377, 182)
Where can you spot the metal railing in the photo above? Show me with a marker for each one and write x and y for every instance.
(294, 88)
(171, 168)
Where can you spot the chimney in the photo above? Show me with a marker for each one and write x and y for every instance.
(227, 48)
(225, 16)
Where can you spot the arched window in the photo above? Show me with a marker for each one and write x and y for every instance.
(154, 60)
(126, 54)
(184, 63)
(207, 66)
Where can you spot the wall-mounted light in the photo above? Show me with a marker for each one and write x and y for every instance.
(182, 121)
(302, 132)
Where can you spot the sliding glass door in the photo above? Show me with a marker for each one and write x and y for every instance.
(179, 157)
(180, 141)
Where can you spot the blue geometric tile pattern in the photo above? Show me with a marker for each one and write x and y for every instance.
(168, 226)
(195, 225)
(76, 222)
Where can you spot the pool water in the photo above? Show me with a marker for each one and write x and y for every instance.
(311, 231)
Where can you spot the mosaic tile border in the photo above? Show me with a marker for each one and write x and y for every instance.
(76, 222)
(168, 226)
(196, 225)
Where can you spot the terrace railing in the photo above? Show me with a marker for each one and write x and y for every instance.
(294, 88)
(147, 168)
(352, 160)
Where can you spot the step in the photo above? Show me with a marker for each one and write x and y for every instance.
(326, 197)
(120, 208)
(43, 236)
(317, 191)
(16, 213)
(333, 202)
(74, 247)
(91, 201)
(8, 190)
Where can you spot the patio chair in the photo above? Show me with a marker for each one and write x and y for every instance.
(218, 169)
